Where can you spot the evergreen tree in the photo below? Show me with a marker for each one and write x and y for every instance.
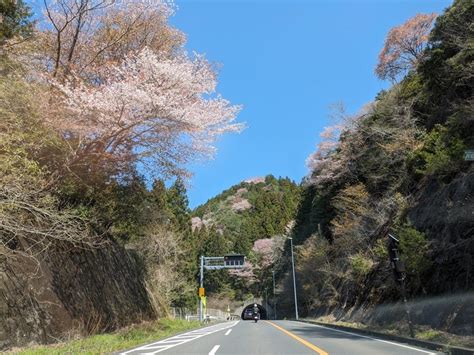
(157, 203)
(129, 213)
(177, 201)
(14, 20)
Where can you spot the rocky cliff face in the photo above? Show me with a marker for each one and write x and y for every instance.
(445, 212)
(81, 290)
(400, 168)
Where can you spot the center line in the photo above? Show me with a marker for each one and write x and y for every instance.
(228, 332)
(301, 340)
(214, 349)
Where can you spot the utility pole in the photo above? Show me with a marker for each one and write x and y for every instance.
(400, 276)
(274, 300)
(294, 280)
(266, 298)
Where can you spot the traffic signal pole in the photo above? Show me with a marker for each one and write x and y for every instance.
(294, 280)
(274, 300)
(231, 261)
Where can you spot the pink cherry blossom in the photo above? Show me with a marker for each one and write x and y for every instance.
(149, 107)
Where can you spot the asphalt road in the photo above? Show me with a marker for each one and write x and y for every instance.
(273, 337)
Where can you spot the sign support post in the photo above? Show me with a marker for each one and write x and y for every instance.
(233, 261)
(201, 284)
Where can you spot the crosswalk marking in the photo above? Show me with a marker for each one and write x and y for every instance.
(168, 343)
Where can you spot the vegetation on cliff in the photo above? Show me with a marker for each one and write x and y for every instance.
(251, 210)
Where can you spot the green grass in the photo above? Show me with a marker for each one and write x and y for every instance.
(422, 332)
(120, 340)
(433, 335)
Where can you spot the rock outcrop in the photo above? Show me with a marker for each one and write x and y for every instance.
(70, 290)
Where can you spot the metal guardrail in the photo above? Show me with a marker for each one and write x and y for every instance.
(211, 314)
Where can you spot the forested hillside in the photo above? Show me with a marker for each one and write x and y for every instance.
(251, 210)
(237, 221)
(397, 166)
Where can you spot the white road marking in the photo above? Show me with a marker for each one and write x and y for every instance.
(175, 340)
(228, 332)
(367, 337)
(171, 342)
(214, 349)
(186, 336)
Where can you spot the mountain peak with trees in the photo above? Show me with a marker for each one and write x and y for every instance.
(253, 209)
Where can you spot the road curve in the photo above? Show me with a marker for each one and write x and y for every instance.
(274, 337)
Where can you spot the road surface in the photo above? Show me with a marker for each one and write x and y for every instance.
(273, 337)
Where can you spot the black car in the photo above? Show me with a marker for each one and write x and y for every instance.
(248, 314)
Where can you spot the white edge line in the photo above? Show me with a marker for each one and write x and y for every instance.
(228, 332)
(365, 336)
(214, 349)
(168, 345)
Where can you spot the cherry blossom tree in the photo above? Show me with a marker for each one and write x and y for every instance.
(404, 47)
(85, 35)
(333, 155)
(262, 257)
(149, 109)
(263, 248)
(246, 273)
(124, 89)
(323, 164)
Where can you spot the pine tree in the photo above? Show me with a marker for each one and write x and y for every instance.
(177, 201)
(157, 203)
(14, 20)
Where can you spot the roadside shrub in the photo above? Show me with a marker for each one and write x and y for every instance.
(380, 250)
(441, 153)
(414, 248)
(361, 265)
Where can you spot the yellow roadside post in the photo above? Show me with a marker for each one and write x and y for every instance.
(204, 306)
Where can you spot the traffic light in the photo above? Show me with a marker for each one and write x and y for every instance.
(398, 266)
(234, 261)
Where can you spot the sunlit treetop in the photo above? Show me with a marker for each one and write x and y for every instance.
(404, 47)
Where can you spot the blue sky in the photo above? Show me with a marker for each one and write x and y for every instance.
(286, 62)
